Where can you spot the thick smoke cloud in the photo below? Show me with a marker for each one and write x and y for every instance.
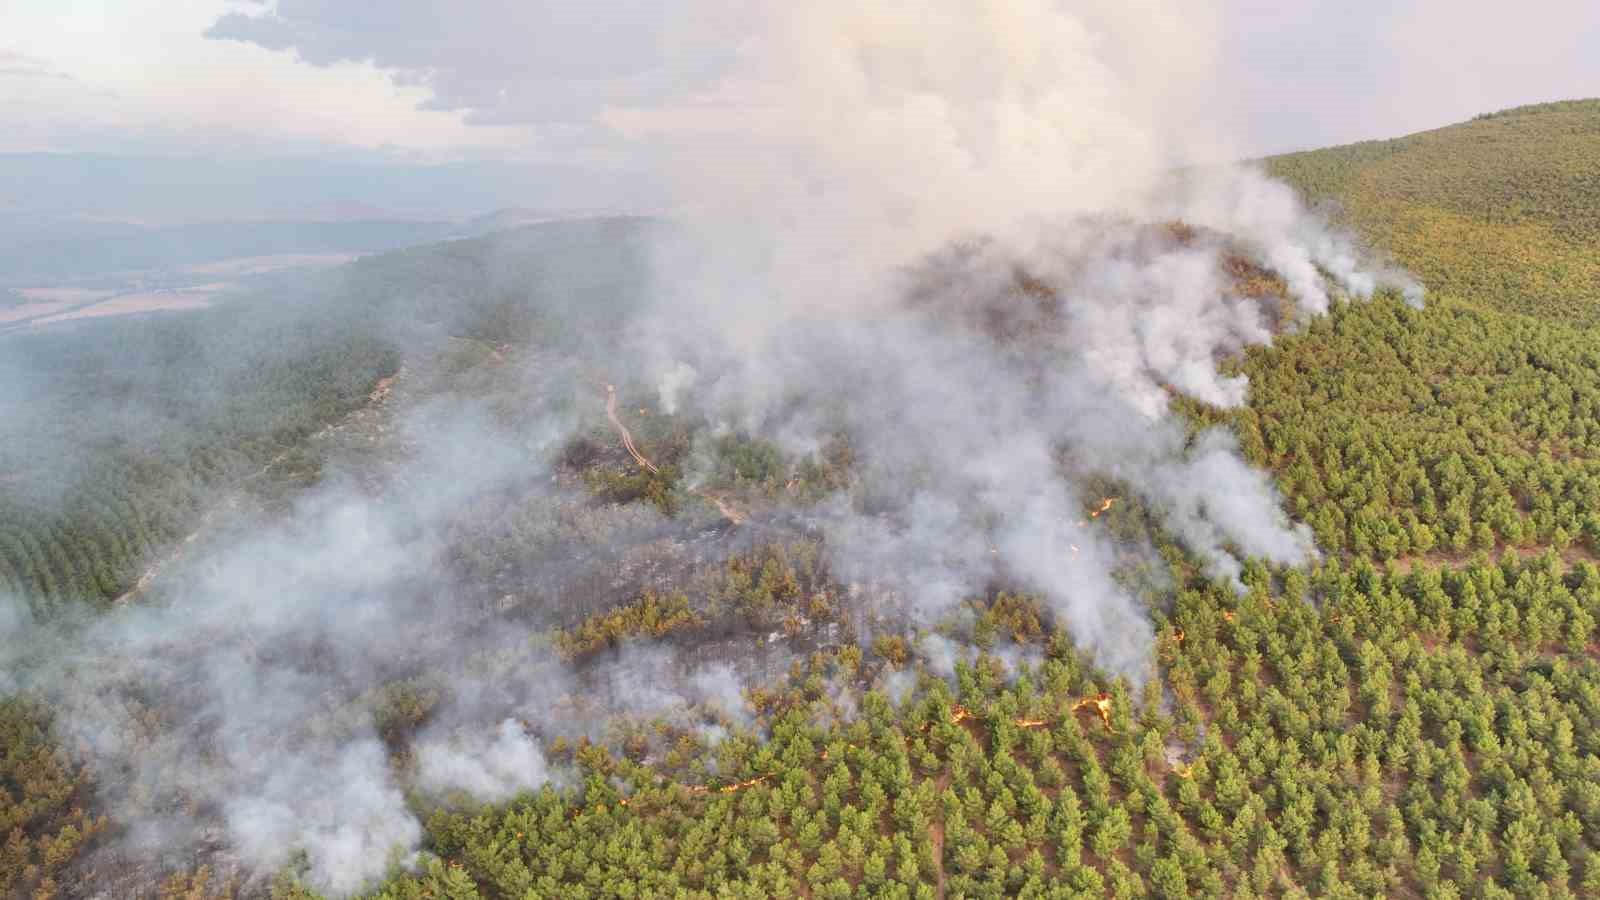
(349, 818)
(829, 175)
(850, 139)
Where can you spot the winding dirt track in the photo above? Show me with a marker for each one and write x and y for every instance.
(728, 512)
(627, 439)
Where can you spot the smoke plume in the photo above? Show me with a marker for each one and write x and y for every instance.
(934, 227)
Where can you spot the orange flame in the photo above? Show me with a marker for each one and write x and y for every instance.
(1183, 770)
(1228, 615)
(959, 714)
(1105, 504)
(1101, 703)
(1169, 651)
(729, 788)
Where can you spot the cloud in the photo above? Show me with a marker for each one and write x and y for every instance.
(507, 62)
(1288, 75)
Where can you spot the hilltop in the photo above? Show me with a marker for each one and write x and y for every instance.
(1503, 210)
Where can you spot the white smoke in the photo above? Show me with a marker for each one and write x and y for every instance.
(852, 138)
(1270, 216)
(850, 142)
(671, 386)
(344, 811)
(490, 768)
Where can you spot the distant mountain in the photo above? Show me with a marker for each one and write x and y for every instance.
(35, 252)
(507, 219)
(172, 190)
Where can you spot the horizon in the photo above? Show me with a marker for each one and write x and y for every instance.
(532, 190)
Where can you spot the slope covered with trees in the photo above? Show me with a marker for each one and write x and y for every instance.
(1428, 734)
(116, 436)
(1499, 211)
(1416, 714)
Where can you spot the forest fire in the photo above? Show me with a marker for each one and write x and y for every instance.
(627, 438)
(730, 788)
(959, 714)
(1100, 703)
(700, 790)
(1105, 505)
(1168, 650)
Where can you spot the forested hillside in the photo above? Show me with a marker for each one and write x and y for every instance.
(1416, 717)
(1415, 714)
(1499, 211)
(116, 436)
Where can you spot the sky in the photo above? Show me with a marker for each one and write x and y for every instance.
(559, 81)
